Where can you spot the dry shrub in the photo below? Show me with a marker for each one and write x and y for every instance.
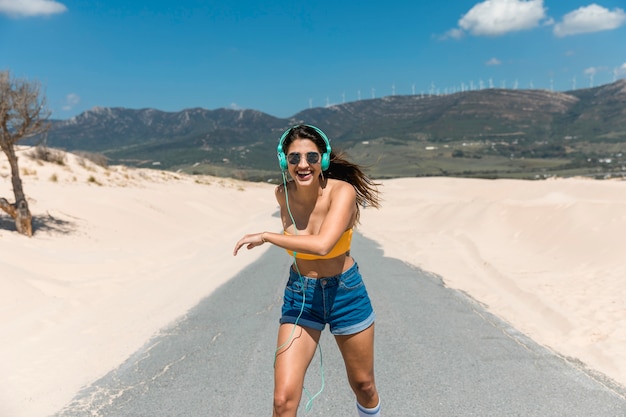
(27, 171)
(97, 158)
(43, 153)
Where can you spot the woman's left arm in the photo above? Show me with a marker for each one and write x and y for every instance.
(337, 220)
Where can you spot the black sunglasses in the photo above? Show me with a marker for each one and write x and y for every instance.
(311, 157)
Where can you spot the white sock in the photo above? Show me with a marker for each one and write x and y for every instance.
(368, 412)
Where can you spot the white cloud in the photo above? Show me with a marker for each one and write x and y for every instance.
(592, 18)
(28, 8)
(493, 62)
(455, 33)
(71, 100)
(498, 17)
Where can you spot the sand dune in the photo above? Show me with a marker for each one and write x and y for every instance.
(546, 256)
(119, 253)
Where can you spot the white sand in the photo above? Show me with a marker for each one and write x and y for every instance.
(114, 263)
(120, 253)
(547, 256)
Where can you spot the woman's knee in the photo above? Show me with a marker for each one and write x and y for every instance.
(364, 386)
(286, 402)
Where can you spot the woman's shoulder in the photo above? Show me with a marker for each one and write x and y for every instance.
(340, 186)
(335, 182)
(284, 191)
(279, 192)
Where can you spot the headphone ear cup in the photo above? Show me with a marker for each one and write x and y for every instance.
(282, 161)
(325, 161)
(282, 158)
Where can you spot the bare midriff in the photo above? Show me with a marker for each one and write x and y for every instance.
(323, 268)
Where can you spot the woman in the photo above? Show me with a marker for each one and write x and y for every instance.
(319, 207)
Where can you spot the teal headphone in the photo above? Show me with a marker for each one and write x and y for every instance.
(282, 158)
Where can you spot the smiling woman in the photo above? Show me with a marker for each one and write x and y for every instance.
(319, 207)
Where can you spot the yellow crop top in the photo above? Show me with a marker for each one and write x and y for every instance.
(342, 246)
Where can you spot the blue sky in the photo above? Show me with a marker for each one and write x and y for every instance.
(281, 57)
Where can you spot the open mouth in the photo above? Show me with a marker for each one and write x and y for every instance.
(304, 175)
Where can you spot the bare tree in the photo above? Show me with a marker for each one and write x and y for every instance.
(23, 114)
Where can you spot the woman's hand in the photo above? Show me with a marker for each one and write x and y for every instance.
(252, 241)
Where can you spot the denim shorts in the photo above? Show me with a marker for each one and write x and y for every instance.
(341, 301)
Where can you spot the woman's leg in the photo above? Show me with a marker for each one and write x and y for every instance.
(358, 355)
(295, 351)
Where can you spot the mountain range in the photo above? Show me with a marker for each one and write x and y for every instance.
(485, 133)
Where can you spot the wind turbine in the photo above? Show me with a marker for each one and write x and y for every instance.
(413, 86)
(393, 89)
(574, 83)
(310, 103)
(373, 92)
(358, 94)
(490, 82)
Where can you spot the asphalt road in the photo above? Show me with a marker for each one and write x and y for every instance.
(438, 353)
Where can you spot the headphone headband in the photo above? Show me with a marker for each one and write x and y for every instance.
(282, 158)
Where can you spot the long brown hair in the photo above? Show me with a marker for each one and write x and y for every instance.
(340, 168)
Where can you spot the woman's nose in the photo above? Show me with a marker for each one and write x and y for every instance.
(303, 162)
